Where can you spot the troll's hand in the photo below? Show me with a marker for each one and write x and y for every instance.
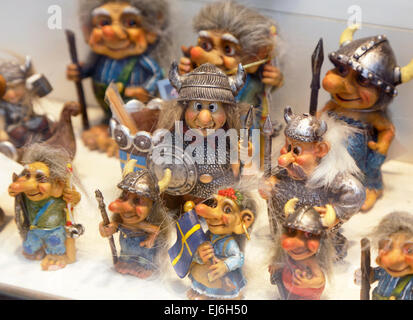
(272, 76)
(71, 196)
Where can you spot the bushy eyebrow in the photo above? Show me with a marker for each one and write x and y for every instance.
(131, 10)
(100, 11)
(229, 37)
(204, 34)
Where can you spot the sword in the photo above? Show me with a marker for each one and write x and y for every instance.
(79, 87)
(105, 218)
(316, 62)
(268, 131)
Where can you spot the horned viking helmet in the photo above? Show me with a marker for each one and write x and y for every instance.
(305, 128)
(207, 82)
(374, 59)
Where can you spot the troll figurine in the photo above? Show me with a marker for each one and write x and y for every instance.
(303, 249)
(206, 106)
(362, 85)
(394, 239)
(127, 40)
(140, 219)
(230, 34)
(45, 198)
(215, 268)
(315, 167)
(19, 123)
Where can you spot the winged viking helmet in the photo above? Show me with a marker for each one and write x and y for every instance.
(207, 82)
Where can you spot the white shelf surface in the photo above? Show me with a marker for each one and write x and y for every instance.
(93, 276)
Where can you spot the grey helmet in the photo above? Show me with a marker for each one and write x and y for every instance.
(374, 59)
(207, 82)
(305, 128)
(305, 219)
(142, 183)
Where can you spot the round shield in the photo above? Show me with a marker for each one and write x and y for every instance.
(182, 166)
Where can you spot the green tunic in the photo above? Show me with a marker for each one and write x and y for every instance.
(53, 217)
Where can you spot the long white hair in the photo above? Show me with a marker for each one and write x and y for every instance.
(338, 160)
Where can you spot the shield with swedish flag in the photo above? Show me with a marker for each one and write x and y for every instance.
(189, 237)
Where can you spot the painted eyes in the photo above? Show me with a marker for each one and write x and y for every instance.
(408, 249)
(364, 82)
(342, 70)
(227, 209)
(130, 21)
(136, 201)
(206, 45)
(197, 106)
(41, 178)
(213, 107)
(103, 21)
(308, 235)
(229, 50)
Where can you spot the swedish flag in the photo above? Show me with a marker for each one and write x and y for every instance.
(124, 157)
(189, 237)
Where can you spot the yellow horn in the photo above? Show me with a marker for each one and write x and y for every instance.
(164, 182)
(129, 166)
(330, 217)
(289, 207)
(347, 34)
(407, 72)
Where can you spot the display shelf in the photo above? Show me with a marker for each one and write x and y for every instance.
(93, 276)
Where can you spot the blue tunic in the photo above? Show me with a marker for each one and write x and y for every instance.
(132, 252)
(144, 72)
(387, 284)
(369, 161)
(226, 249)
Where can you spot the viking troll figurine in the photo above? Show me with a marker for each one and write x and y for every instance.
(44, 201)
(362, 85)
(230, 34)
(315, 167)
(19, 124)
(214, 260)
(393, 237)
(207, 108)
(127, 39)
(140, 219)
(303, 252)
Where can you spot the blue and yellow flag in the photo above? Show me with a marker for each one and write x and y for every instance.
(189, 237)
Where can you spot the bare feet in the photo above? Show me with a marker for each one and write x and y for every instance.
(53, 262)
(98, 138)
(371, 197)
(38, 255)
(133, 269)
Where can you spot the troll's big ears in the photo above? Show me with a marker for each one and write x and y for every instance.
(321, 149)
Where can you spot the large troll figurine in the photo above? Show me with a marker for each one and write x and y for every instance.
(124, 37)
(362, 85)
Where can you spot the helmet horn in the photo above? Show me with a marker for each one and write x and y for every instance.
(174, 77)
(330, 217)
(288, 112)
(164, 182)
(289, 207)
(347, 35)
(322, 129)
(407, 72)
(130, 165)
(237, 81)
